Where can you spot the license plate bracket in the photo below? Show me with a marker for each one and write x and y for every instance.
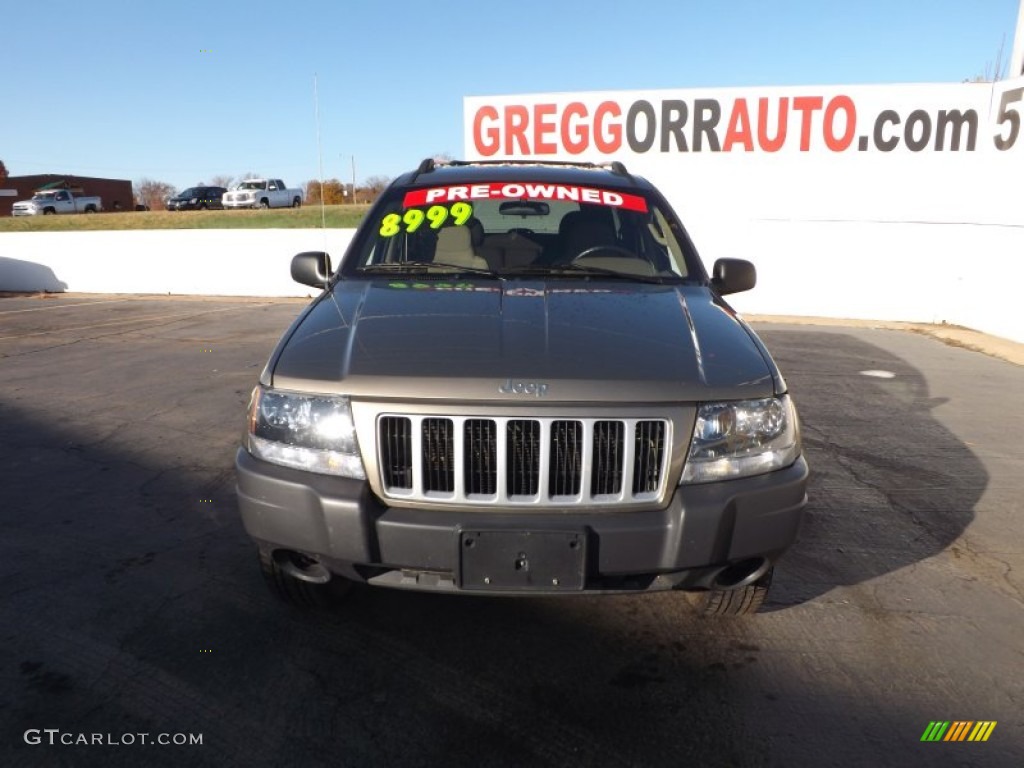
(522, 561)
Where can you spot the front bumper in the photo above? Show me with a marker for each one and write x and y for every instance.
(239, 203)
(340, 523)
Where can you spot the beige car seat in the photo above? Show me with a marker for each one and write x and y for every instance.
(455, 246)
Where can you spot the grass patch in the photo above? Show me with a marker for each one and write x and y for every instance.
(307, 217)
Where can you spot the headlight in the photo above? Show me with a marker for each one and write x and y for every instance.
(310, 432)
(738, 439)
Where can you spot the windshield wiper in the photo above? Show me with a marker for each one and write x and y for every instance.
(413, 266)
(579, 269)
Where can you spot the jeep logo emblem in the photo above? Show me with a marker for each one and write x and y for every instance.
(515, 387)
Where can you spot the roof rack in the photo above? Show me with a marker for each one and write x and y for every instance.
(426, 166)
(615, 166)
(567, 163)
(618, 168)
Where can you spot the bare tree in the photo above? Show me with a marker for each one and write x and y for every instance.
(371, 188)
(153, 194)
(443, 157)
(222, 180)
(996, 72)
(3, 173)
(1002, 65)
(376, 184)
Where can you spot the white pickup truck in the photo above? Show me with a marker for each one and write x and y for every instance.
(54, 201)
(262, 193)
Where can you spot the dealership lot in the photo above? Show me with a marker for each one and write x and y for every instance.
(131, 602)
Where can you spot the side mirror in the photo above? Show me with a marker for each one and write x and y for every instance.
(733, 276)
(311, 268)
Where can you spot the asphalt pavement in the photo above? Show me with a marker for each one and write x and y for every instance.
(131, 602)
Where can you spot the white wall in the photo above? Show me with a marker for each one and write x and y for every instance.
(956, 273)
(970, 275)
(901, 229)
(852, 216)
(212, 262)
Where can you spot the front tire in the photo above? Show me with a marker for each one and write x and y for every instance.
(302, 594)
(264, 204)
(733, 602)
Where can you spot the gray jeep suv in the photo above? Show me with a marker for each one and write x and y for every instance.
(521, 380)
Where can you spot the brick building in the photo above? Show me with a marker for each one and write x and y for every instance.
(116, 194)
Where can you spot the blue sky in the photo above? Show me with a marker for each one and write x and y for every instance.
(182, 91)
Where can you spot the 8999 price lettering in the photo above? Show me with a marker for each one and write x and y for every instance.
(414, 218)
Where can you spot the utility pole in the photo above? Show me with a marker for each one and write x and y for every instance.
(354, 172)
(1016, 68)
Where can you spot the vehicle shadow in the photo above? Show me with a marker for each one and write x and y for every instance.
(17, 275)
(130, 603)
(890, 485)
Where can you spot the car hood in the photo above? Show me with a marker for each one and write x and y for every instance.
(486, 341)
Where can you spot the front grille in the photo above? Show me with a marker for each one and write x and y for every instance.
(608, 444)
(650, 449)
(481, 465)
(438, 456)
(564, 470)
(523, 451)
(544, 461)
(396, 452)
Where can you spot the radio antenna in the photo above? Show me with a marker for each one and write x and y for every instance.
(320, 159)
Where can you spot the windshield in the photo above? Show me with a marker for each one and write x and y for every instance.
(252, 185)
(523, 228)
(190, 192)
(44, 195)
